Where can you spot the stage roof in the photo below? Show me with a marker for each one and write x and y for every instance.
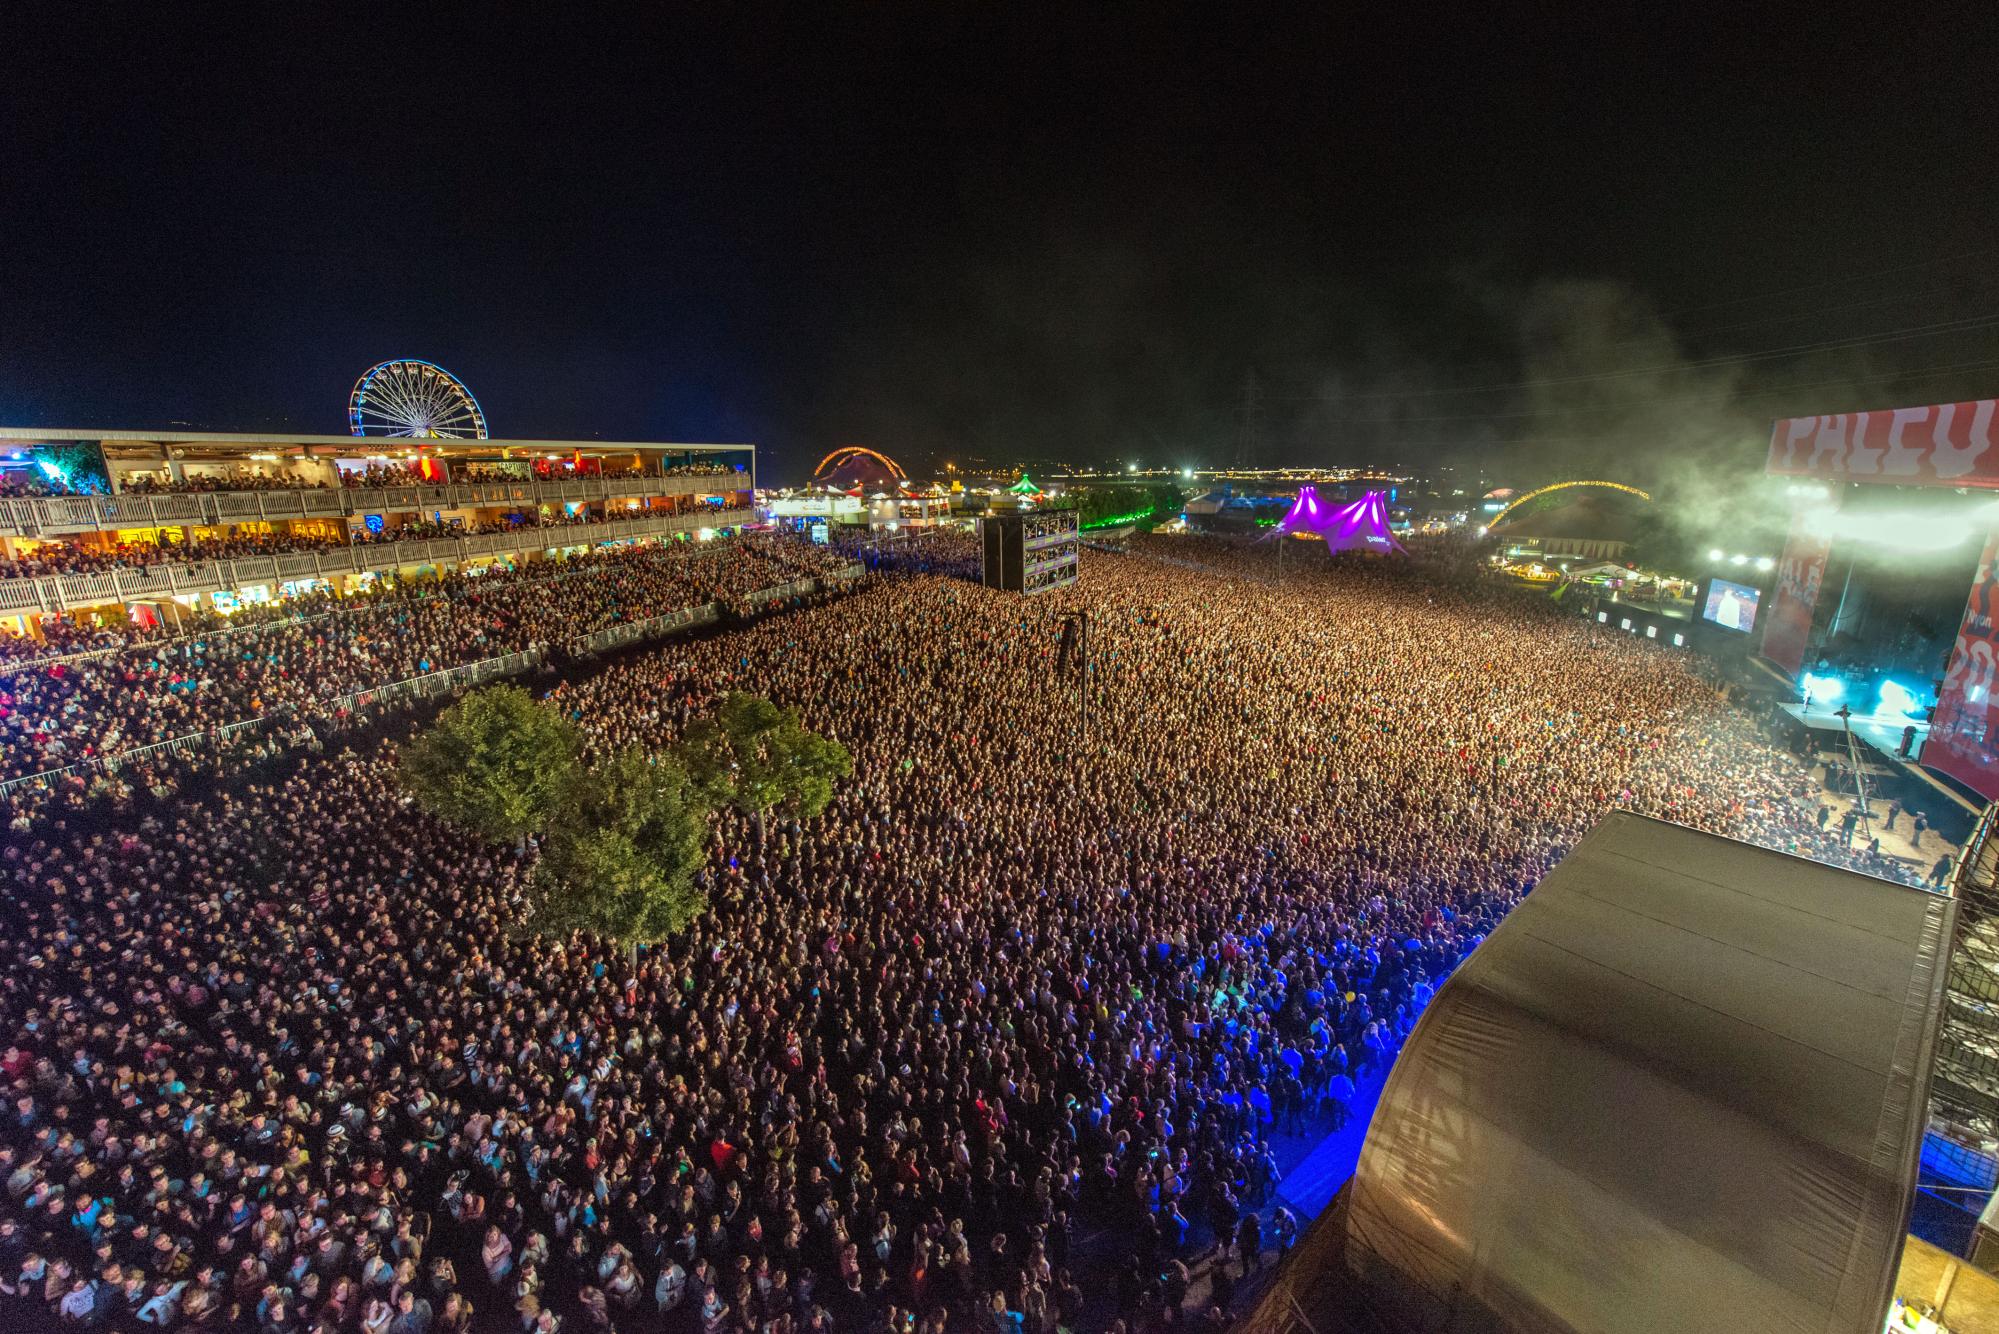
(1681, 1087)
(1942, 444)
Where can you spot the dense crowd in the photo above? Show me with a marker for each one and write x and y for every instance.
(232, 479)
(303, 658)
(283, 1059)
(31, 482)
(916, 551)
(385, 474)
(64, 558)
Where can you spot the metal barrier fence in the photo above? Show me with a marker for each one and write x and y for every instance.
(417, 688)
(633, 632)
(215, 738)
(432, 684)
(796, 588)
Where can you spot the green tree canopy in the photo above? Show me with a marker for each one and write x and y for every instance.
(496, 762)
(756, 757)
(621, 857)
(1125, 502)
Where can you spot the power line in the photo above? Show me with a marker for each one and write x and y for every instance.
(1924, 295)
(1535, 437)
(1834, 282)
(1702, 397)
(1968, 324)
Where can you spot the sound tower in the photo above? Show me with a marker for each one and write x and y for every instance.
(1031, 552)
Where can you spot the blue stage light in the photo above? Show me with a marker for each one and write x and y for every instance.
(1822, 689)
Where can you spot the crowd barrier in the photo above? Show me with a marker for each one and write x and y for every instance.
(633, 632)
(430, 685)
(413, 689)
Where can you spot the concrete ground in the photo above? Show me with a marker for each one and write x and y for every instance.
(1898, 842)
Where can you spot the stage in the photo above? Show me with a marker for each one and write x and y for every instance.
(1883, 731)
(1315, 1178)
(1881, 734)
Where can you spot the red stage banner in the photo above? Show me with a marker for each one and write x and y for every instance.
(1964, 735)
(1946, 444)
(1788, 625)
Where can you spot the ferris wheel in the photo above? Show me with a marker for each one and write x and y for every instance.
(414, 399)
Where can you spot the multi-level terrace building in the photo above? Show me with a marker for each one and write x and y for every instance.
(138, 523)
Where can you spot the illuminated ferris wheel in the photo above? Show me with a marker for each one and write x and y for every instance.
(414, 399)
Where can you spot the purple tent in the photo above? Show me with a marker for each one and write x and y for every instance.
(1359, 526)
(1305, 514)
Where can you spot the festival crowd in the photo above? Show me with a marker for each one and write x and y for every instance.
(1000, 1042)
(304, 656)
(233, 479)
(64, 558)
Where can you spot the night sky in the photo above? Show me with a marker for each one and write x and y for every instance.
(1018, 234)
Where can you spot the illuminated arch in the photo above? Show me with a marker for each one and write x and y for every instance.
(1515, 504)
(841, 455)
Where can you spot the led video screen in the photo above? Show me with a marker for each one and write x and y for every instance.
(1730, 605)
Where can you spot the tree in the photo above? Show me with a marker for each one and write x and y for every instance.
(496, 762)
(621, 856)
(756, 757)
(1124, 502)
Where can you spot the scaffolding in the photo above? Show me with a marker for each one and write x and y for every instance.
(1963, 1143)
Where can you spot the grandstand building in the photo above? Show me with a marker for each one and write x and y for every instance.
(96, 521)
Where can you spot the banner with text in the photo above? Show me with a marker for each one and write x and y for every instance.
(1962, 740)
(1945, 444)
(1788, 626)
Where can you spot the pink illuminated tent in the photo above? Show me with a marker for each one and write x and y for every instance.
(1359, 526)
